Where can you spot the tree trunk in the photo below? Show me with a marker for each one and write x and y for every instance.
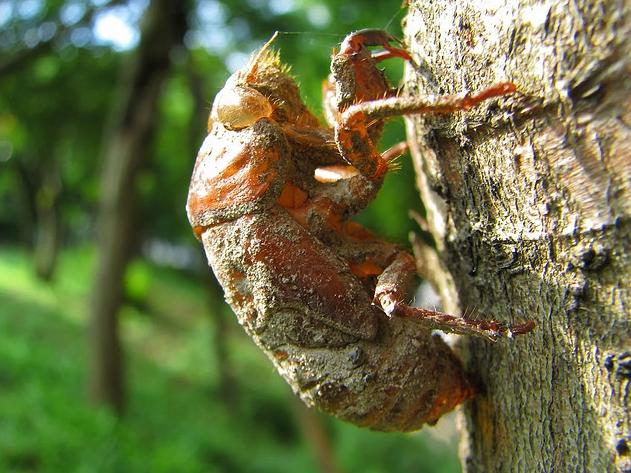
(125, 149)
(48, 237)
(529, 201)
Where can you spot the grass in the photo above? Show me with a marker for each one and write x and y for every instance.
(177, 419)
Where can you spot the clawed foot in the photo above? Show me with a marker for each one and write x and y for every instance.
(358, 40)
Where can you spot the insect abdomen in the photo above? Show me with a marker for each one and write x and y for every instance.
(390, 375)
(401, 380)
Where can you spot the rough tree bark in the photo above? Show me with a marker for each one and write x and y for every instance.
(529, 201)
(127, 145)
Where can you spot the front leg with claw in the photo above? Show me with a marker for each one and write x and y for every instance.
(391, 293)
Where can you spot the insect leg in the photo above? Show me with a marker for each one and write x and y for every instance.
(339, 172)
(392, 288)
(352, 135)
(394, 151)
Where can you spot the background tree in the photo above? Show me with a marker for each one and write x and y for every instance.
(126, 148)
(42, 159)
(529, 201)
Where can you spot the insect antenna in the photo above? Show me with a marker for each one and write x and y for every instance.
(394, 16)
(318, 33)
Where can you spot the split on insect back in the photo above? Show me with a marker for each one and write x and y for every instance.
(271, 197)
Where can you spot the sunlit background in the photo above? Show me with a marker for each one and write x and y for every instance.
(196, 394)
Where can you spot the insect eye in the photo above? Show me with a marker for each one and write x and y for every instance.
(237, 107)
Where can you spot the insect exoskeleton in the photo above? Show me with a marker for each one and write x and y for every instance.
(270, 198)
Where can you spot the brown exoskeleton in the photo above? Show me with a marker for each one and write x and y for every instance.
(270, 198)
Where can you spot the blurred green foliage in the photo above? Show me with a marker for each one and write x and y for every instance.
(176, 420)
(54, 109)
(58, 84)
